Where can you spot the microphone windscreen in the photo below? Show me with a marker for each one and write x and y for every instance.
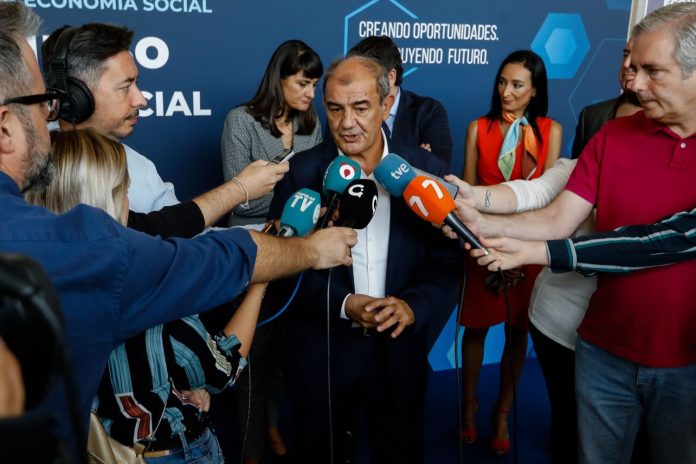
(394, 173)
(358, 204)
(338, 175)
(301, 212)
(428, 199)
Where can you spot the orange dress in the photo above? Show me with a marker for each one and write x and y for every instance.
(482, 308)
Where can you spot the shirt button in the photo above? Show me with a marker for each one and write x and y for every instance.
(683, 145)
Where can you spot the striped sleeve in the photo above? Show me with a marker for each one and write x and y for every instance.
(627, 249)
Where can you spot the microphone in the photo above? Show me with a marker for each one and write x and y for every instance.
(358, 204)
(394, 173)
(338, 175)
(429, 200)
(300, 213)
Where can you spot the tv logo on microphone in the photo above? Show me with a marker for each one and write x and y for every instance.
(305, 201)
(356, 190)
(347, 171)
(400, 171)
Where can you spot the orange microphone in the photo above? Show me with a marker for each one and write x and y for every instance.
(430, 201)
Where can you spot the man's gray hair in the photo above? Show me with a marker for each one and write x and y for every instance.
(17, 22)
(681, 20)
(373, 66)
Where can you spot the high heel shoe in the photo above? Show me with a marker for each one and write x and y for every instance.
(499, 446)
(468, 435)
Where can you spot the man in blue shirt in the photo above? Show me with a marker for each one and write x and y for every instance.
(113, 282)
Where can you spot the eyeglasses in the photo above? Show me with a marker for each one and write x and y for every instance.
(51, 101)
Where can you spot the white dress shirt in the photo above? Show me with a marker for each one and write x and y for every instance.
(371, 251)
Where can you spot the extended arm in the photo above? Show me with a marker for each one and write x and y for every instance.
(630, 248)
(255, 180)
(517, 195)
(625, 249)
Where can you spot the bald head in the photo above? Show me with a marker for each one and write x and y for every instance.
(347, 70)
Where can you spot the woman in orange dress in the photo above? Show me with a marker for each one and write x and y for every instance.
(515, 140)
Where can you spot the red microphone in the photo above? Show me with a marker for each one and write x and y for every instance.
(430, 201)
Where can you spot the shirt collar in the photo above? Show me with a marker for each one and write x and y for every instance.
(8, 185)
(650, 126)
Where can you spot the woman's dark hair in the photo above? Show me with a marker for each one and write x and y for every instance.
(268, 104)
(539, 104)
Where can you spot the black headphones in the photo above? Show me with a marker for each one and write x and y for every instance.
(78, 102)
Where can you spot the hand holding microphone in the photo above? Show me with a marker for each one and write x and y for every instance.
(429, 200)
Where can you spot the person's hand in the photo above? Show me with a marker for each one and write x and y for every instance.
(426, 146)
(260, 177)
(332, 247)
(355, 310)
(392, 311)
(199, 398)
(12, 395)
(508, 253)
(467, 214)
(466, 191)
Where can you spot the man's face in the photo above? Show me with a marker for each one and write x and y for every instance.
(353, 110)
(36, 144)
(626, 73)
(663, 93)
(117, 98)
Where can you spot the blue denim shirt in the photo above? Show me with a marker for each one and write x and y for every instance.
(114, 282)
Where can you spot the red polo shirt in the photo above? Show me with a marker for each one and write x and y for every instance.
(636, 171)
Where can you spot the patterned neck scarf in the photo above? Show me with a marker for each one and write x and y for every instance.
(508, 152)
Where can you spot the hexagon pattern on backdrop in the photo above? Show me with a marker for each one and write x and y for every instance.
(562, 43)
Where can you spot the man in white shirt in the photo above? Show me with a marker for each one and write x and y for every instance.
(376, 313)
(92, 64)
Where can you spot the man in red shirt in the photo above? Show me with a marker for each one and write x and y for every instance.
(636, 353)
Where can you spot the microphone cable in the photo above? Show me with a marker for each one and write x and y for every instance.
(285, 307)
(328, 364)
(457, 370)
(508, 345)
(248, 417)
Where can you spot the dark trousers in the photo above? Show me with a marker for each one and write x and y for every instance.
(369, 378)
(558, 367)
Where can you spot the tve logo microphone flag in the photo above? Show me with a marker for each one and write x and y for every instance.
(300, 213)
(429, 200)
(394, 173)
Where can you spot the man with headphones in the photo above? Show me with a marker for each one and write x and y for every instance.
(93, 67)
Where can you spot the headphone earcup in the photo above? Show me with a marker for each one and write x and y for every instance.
(78, 103)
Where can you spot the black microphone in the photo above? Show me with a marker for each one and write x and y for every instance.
(358, 204)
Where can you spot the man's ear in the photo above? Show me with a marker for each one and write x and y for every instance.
(387, 104)
(392, 78)
(6, 130)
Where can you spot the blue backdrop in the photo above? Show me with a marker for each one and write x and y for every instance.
(200, 58)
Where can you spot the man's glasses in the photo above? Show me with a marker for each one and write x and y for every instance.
(50, 99)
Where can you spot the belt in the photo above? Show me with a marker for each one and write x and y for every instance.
(156, 454)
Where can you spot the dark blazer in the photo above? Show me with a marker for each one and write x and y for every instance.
(422, 266)
(423, 120)
(591, 119)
